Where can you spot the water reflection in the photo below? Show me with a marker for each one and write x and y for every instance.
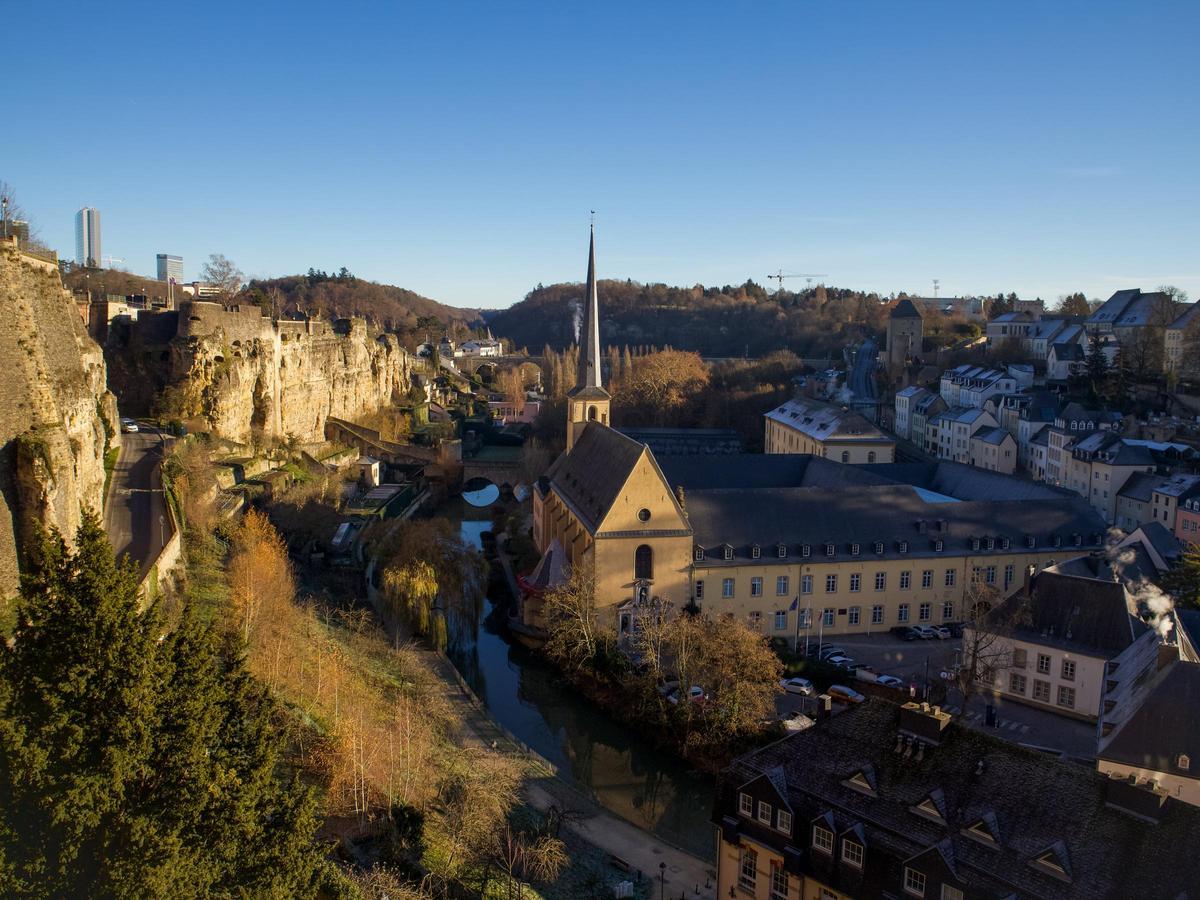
(484, 496)
(627, 776)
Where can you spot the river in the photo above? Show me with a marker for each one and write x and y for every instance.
(626, 775)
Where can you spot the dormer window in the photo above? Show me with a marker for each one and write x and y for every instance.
(698, 554)
(830, 550)
(1054, 861)
(1057, 541)
(937, 546)
(1005, 543)
(745, 804)
(764, 812)
(783, 821)
(903, 546)
(974, 543)
(854, 549)
(878, 547)
(931, 807)
(991, 543)
(852, 852)
(1030, 541)
(1183, 762)
(985, 830)
(728, 552)
(781, 551)
(755, 552)
(822, 839)
(1078, 539)
(805, 550)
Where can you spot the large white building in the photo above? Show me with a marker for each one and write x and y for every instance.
(169, 267)
(87, 237)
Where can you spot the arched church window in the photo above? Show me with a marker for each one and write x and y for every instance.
(591, 414)
(643, 562)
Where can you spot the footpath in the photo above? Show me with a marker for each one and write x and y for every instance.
(684, 875)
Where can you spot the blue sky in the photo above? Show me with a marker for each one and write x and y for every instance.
(456, 148)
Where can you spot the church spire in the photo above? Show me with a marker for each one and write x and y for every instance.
(588, 375)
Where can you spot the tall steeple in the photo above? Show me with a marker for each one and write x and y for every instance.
(588, 401)
(589, 335)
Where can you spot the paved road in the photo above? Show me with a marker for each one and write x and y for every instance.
(135, 515)
(862, 380)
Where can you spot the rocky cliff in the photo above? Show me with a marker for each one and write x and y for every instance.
(56, 414)
(245, 374)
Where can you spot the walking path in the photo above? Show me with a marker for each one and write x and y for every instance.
(640, 850)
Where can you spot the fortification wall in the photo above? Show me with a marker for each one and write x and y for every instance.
(55, 409)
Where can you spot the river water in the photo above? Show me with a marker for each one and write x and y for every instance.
(625, 774)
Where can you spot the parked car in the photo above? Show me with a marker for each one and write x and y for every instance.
(828, 651)
(797, 721)
(129, 426)
(843, 694)
(842, 662)
(695, 694)
(925, 632)
(956, 629)
(942, 632)
(798, 686)
(889, 681)
(910, 633)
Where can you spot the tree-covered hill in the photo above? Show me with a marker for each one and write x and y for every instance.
(714, 321)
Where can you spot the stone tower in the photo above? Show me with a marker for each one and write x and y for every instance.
(588, 401)
(905, 331)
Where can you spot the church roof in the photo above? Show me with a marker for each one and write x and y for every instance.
(589, 336)
(905, 310)
(590, 476)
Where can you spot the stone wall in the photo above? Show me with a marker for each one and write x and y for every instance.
(243, 373)
(55, 409)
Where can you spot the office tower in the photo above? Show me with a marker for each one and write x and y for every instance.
(170, 267)
(87, 237)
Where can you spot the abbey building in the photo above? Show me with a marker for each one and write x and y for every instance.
(795, 545)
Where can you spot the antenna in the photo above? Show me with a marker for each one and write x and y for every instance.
(593, 222)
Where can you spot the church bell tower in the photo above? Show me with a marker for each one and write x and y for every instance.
(588, 401)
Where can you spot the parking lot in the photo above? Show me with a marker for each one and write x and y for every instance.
(891, 655)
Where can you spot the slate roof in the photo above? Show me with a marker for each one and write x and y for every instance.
(965, 482)
(1139, 486)
(1067, 352)
(1164, 726)
(826, 422)
(1034, 803)
(590, 477)
(1081, 605)
(885, 513)
(905, 310)
(686, 441)
(992, 436)
(1185, 318)
(1162, 540)
(1128, 308)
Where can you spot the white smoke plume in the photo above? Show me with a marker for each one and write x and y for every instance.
(577, 318)
(1157, 603)
(844, 394)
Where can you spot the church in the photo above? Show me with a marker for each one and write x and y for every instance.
(795, 545)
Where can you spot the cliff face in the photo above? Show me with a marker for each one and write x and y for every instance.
(246, 374)
(55, 410)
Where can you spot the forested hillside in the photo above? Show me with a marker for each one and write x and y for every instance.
(713, 321)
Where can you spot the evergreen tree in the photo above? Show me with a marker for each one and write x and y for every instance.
(136, 763)
(1183, 579)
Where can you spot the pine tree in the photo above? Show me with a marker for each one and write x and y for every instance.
(1183, 579)
(135, 762)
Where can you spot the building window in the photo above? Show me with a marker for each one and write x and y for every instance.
(755, 552)
(781, 551)
(950, 892)
(822, 839)
(700, 589)
(989, 574)
(855, 582)
(1008, 575)
(880, 581)
(729, 553)
(905, 580)
(779, 882)
(950, 575)
(806, 584)
(914, 882)
(904, 546)
(727, 588)
(699, 554)
(643, 562)
(1041, 690)
(805, 618)
(845, 456)
(827, 617)
(780, 620)
(781, 586)
(764, 812)
(755, 620)
(876, 615)
(937, 546)
(852, 852)
(927, 578)
(1068, 670)
(855, 549)
(947, 610)
(925, 612)
(854, 613)
(783, 821)
(1043, 664)
(755, 587)
(745, 804)
(870, 456)
(831, 584)
(806, 551)
(748, 870)
(1016, 683)
(1066, 696)
(902, 614)
(879, 547)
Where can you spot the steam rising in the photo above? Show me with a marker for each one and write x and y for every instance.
(577, 318)
(1145, 593)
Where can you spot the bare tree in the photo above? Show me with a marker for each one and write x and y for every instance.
(988, 624)
(222, 274)
(573, 629)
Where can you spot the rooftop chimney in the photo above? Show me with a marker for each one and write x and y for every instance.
(923, 722)
(1145, 800)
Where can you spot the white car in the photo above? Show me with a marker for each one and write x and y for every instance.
(797, 686)
(797, 722)
(889, 681)
(941, 633)
(695, 692)
(129, 426)
(925, 631)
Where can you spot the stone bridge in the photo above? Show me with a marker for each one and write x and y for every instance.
(499, 465)
(472, 365)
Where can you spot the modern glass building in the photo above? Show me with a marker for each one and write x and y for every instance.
(87, 237)
(170, 267)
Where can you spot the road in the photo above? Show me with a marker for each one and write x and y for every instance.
(862, 376)
(135, 514)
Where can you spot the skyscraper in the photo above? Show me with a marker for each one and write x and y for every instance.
(170, 267)
(87, 237)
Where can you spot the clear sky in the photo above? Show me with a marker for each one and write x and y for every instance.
(455, 149)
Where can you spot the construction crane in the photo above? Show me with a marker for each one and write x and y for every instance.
(108, 261)
(781, 276)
